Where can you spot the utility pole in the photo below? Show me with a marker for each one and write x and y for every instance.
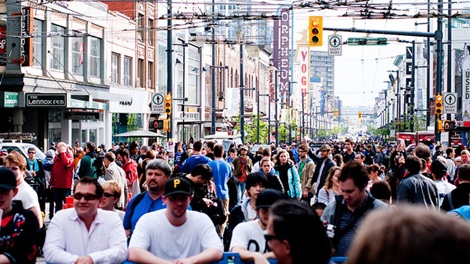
(213, 70)
(242, 98)
(169, 65)
(412, 90)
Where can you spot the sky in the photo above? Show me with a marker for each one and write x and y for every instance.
(362, 71)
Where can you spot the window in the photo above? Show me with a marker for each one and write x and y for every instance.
(77, 55)
(95, 57)
(127, 70)
(151, 80)
(57, 58)
(140, 73)
(150, 32)
(37, 43)
(140, 29)
(115, 68)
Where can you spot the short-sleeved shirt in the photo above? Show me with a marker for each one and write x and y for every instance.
(250, 236)
(146, 205)
(175, 242)
(221, 171)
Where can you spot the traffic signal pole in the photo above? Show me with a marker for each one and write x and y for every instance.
(437, 35)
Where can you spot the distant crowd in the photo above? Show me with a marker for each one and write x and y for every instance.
(297, 203)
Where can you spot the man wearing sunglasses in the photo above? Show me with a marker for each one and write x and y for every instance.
(84, 234)
(182, 236)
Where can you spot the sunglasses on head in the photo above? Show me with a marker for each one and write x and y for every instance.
(88, 196)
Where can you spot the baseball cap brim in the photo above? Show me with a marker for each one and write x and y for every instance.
(177, 192)
(7, 186)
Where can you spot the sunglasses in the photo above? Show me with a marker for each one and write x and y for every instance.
(271, 237)
(31, 152)
(88, 196)
(108, 195)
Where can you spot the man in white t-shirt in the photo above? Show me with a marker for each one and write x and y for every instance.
(248, 237)
(438, 171)
(182, 236)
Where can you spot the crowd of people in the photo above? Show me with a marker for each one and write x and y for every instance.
(190, 204)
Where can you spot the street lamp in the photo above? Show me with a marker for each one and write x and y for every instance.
(269, 107)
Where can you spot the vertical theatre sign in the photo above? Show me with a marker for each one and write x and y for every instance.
(26, 36)
(303, 59)
(284, 56)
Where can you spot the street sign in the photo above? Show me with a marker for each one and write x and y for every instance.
(335, 45)
(367, 41)
(450, 103)
(157, 103)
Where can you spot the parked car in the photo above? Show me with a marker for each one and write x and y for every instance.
(22, 148)
(255, 147)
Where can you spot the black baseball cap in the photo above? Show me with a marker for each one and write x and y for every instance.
(178, 185)
(7, 179)
(268, 197)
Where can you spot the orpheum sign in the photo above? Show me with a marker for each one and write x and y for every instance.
(281, 47)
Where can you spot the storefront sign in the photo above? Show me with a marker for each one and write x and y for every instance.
(10, 99)
(46, 100)
(82, 116)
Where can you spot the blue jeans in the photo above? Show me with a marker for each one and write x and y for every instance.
(59, 197)
(241, 191)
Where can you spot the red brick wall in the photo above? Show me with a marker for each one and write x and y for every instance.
(126, 8)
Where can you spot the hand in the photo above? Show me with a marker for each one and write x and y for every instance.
(207, 201)
(84, 260)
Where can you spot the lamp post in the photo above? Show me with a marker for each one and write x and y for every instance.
(257, 133)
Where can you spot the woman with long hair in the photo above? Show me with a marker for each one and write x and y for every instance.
(331, 187)
(288, 174)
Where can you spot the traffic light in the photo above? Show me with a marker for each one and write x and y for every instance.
(359, 115)
(336, 113)
(156, 125)
(439, 125)
(166, 125)
(438, 104)
(449, 125)
(315, 31)
(167, 103)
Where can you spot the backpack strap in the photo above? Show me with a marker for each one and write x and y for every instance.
(136, 201)
(449, 196)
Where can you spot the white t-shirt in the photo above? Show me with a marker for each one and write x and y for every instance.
(27, 195)
(250, 236)
(157, 235)
(443, 188)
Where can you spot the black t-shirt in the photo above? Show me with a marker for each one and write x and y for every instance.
(19, 234)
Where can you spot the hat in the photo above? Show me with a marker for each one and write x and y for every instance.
(325, 147)
(438, 168)
(7, 179)
(244, 147)
(4, 151)
(52, 143)
(267, 198)
(177, 186)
